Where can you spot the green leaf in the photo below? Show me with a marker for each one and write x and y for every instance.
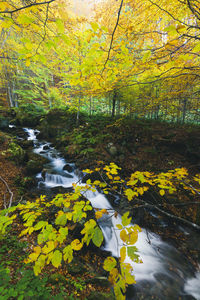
(97, 237)
(68, 253)
(125, 220)
(61, 220)
(40, 224)
(131, 251)
(109, 263)
(56, 258)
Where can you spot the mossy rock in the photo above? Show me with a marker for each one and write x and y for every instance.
(35, 164)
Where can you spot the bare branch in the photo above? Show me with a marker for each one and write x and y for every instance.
(112, 37)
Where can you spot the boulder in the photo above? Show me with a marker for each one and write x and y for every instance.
(35, 164)
(46, 147)
(33, 167)
(68, 168)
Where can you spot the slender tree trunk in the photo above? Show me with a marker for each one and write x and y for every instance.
(184, 110)
(119, 107)
(11, 102)
(114, 103)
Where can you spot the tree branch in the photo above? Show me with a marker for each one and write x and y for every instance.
(112, 36)
(26, 6)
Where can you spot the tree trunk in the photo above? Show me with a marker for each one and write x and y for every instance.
(184, 110)
(114, 103)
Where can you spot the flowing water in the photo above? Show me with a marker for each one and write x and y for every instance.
(165, 272)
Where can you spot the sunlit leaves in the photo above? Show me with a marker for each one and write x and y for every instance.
(97, 237)
(76, 244)
(68, 253)
(109, 263)
(56, 258)
(125, 220)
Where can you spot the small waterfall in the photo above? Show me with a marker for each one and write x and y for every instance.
(53, 180)
(31, 133)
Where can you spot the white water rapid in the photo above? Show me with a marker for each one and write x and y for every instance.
(164, 274)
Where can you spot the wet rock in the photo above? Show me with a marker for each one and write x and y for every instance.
(61, 190)
(68, 168)
(42, 152)
(46, 147)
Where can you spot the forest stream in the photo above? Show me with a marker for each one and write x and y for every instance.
(165, 273)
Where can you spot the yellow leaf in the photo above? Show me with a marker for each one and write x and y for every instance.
(162, 192)
(76, 244)
(49, 247)
(133, 236)
(123, 235)
(123, 253)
